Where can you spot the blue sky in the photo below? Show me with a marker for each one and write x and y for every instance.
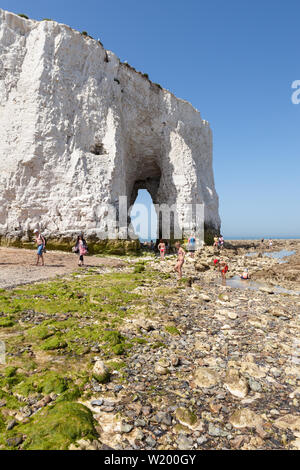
(235, 61)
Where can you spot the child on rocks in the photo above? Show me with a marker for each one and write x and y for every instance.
(180, 259)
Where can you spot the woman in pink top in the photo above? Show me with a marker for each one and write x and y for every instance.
(81, 249)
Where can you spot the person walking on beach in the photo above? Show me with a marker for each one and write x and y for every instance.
(180, 259)
(270, 244)
(162, 249)
(192, 245)
(81, 249)
(221, 242)
(216, 241)
(40, 241)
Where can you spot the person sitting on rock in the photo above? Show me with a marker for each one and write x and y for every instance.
(245, 275)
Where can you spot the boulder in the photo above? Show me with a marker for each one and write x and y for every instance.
(206, 378)
(235, 384)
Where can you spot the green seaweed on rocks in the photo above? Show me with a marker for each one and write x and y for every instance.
(138, 268)
(57, 427)
(118, 349)
(40, 332)
(116, 342)
(172, 330)
(45, 383)
(10, 371)
(54, 342)
(6, 322)
(2, 424)
(70, 395)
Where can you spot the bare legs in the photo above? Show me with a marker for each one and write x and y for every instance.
(40, 257)
(178, 268)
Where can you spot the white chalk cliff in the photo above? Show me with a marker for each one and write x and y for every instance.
(78, 128)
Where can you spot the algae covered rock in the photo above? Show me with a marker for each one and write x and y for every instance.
(186, 417)
(58, 427)
(54, 342)
(6, 322)
(115, 341)
(245, 418)
(118, 349)
(40, 332)
(42, 383)
(101, 372)
(10, 371)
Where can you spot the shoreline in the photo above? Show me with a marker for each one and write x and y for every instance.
(147, 362)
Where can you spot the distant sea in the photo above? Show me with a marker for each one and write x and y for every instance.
(259, 237)
(234, 237)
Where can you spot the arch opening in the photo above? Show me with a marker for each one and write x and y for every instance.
(143, 216)
(147, 176)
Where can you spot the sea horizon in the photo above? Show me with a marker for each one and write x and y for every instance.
(229, 237)
(260, 237)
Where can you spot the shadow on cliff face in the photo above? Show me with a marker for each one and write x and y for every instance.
(149, 168)
(156, 174)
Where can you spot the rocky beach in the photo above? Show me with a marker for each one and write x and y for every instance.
(132, 358)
